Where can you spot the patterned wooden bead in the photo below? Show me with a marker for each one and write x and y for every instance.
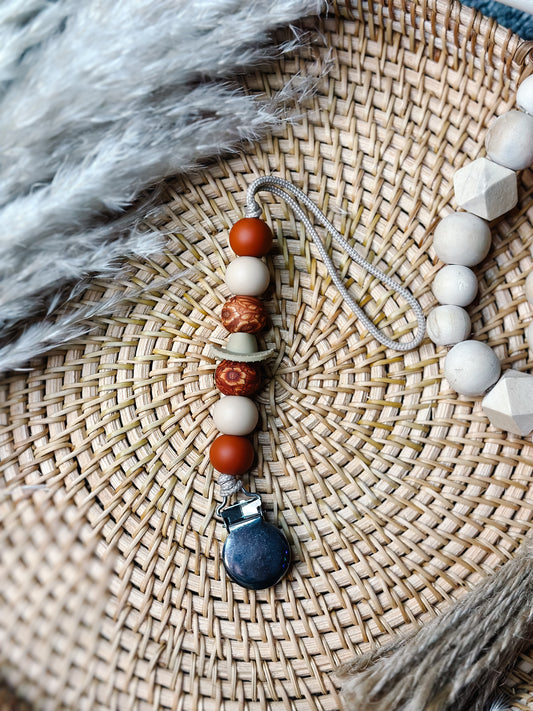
(244, 314)
(237, 378)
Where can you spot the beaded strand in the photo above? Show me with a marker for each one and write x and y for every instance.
(485, 189)
(256, 554)
(238, 375)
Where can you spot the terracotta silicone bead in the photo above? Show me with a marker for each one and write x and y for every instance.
(250, 237)
(237, 378)
(231, 454)
(244, 314)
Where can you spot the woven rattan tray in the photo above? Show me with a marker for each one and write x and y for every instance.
(395, 494)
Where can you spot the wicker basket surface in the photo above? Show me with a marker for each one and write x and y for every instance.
(396, 495)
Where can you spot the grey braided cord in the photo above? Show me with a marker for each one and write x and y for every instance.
(280, 188)
(229, 484)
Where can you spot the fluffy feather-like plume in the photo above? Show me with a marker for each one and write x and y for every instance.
(456, 661)
(43, 336)
(100, 100)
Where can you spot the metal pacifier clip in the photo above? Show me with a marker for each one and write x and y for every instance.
(256, 554)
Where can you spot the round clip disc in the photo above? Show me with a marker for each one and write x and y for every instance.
(256, 555)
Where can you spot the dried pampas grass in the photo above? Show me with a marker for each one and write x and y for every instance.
(97, 102)
(457, 661)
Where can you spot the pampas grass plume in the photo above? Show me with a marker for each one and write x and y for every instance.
(147, 95)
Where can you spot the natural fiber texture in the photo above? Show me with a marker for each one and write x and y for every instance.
(396, 495)
(455, 662)
(152, 91)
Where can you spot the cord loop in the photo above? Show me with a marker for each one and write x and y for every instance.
(282, 189)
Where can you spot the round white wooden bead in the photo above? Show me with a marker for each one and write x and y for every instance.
(529, 287)
(471, 367)
(509, 140)
(455, 284)
(529, 335)
(524, 95)
(247, 276)
(235, 415)
(462, 238)
(447, 325)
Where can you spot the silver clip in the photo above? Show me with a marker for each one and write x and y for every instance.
(241, 511)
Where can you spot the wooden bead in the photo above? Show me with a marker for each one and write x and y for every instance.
(485, 188)
(471, 367)
(529, 287)
(230, 454)
(455, 284)
(509, 405)
(509, 140)
(462, 238)
(251, 237)
(447, 325)
(247, 276)
(244, 314)
(524, 95)
(235, 415)
(237, 378)
(529, 335)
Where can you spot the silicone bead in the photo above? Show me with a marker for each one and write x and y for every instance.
(455, 284)
(471, 367)
(462, 238)
(230, 454)
(524, 95)
(250, 237)
(235, 415)
(241, 347)
(509, 140)
(247, 276)
(485, 188)
(243, 314)
(447, 325)
(237, 378)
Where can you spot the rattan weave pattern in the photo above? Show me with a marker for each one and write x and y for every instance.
(395, 495)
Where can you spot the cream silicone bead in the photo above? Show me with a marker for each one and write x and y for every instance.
(247, 276)
(455, 284)
(471, 367)
(447, 325)
(462, 238)
(235, 415)
(509, 140)
(524, 95)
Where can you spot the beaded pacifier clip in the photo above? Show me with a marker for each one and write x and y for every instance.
(256, 554)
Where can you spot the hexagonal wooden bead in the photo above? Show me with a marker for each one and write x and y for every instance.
(509, 405)
(485, 188)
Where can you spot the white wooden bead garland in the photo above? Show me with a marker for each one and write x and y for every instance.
(485, 189)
